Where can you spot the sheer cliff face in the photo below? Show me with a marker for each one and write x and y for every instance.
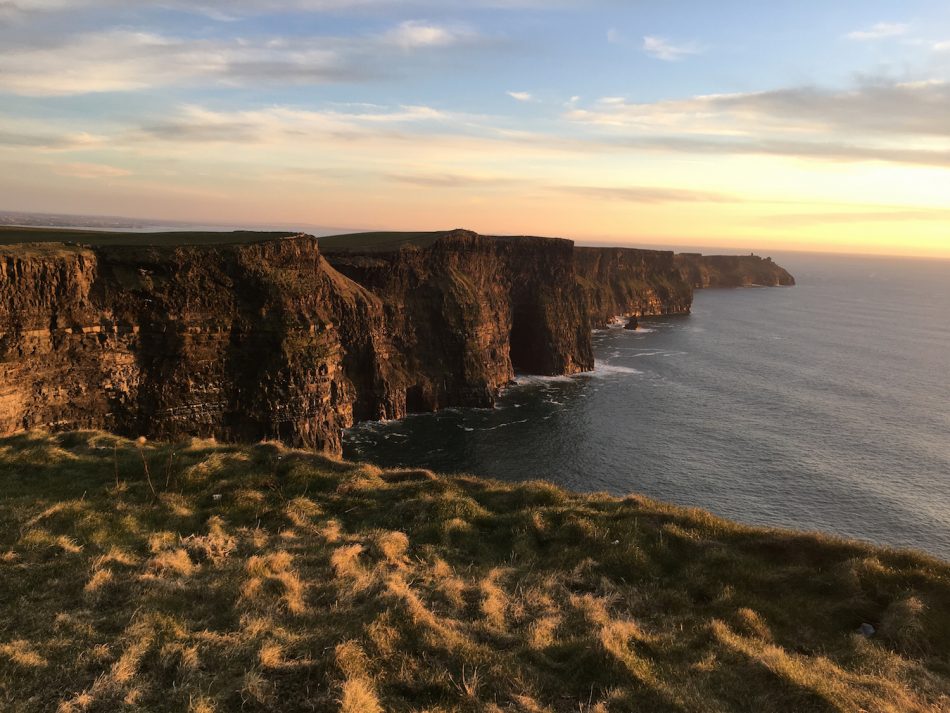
(706, 271)
(631, 283)
(273, 340)
(466, 311)
(237, 342)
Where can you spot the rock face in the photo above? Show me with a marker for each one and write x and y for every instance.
(467, 310)
(626, 282)
(278, 339)
(705, 271)
(237, 342)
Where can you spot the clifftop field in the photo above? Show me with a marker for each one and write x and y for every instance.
(201, 577)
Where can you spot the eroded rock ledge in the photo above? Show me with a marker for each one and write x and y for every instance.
(279, 339)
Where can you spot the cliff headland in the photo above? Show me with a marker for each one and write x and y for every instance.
(705, 271)
(247, 336)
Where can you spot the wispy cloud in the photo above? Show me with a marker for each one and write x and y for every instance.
(881, 30)
(418, 34)
(878, 121)
(878, 106)
(521, 96)
(90, 171)
(455, 180)
(123, 60)
(651, 195)
(896, 215)
(231, 9)
(664, 49)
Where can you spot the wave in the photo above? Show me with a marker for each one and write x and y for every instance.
(469, 429)
(527, 379)
(605, 369)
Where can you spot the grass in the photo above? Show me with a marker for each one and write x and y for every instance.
(201, 577)
(382, 241)
(379, 241)
(13, 235)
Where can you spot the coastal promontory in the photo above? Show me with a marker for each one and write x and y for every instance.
(247, 336)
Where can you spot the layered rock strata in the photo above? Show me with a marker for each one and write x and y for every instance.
(238, 342)
(466, 311)
(627, 282)
(279, 339)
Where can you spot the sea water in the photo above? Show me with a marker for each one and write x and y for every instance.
(822, 407)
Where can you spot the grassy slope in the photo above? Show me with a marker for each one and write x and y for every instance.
(318, 585)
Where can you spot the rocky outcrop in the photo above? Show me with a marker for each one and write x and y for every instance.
(279, 339)
(709, 271)
(238, 342)
(465, 311)
(627, 282)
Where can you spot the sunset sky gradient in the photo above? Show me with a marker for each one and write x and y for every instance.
(806, 125)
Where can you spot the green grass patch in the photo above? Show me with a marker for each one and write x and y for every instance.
(200, 577)
(379, 241)
(13, 235)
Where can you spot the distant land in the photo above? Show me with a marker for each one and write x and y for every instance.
(141, 225)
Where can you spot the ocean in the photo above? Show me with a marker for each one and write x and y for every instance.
(820, 407)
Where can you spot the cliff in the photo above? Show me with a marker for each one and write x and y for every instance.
(240, 342)
(465, 311)
(705, 271)
(629, 282)
(287, 338)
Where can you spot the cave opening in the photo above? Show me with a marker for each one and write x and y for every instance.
(526, 341)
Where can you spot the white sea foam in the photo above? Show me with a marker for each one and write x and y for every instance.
(526, 379)
(603, 369)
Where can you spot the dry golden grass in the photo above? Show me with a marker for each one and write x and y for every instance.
(315, 585)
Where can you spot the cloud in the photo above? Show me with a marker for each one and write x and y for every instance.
(521, 96)
(877, 121)
(276, 125)
(661, 48)
(648, 194)
(880, 31)
(451, 180)
(227, 10)
(124, 60)
(417, 34)
(90, 171)
(876, 107)
(899, 215)
(834, 150)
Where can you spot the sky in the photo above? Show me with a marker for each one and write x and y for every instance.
(751, 125)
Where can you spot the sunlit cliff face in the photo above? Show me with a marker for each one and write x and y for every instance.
(679, 124)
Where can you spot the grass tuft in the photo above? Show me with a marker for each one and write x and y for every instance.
(321, 585)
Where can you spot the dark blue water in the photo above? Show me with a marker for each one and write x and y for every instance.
(822, 407)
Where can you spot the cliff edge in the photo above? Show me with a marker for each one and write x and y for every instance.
(295, 339)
